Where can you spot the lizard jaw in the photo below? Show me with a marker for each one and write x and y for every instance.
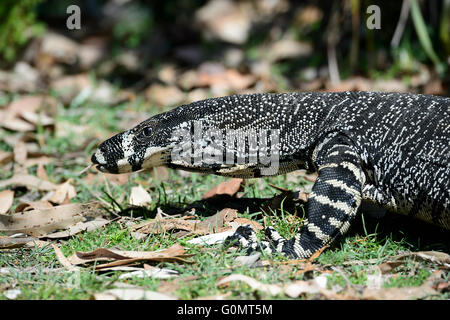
(153, 157)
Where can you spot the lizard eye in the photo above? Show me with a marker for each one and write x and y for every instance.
(147, 131)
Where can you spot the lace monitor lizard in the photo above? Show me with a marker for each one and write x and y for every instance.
(391, 149)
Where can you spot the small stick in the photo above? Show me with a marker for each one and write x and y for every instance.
(85, 169)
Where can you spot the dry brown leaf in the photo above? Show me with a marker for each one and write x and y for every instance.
(59, 48)
(15, 242)
(237, 80)
(41, 222)
(29, 181)
(175, 253)
(162, 224)
(22, 79)
(63, 260)
(40, 161)
(16, 124)
(229, 21)
(41, 173)
(33, 205)
(217, 77)
(408, 293)
(215, 223)
(12, 242)
(443, 286)
(164, 95)
(139, 196)
(296, 288)
(100, 254)
(63, 193)
(38, 118)
(436, 257)
(20, 153)
(168, 73)
(271, 289)
(292, 289)
(5, 157)
(71, 85)
(388, 266)
(230, 187)
(79, 227)
(132, 294)
(219, 220)
(288, 49)
(26, 108)
(6, 200)
(25, 104)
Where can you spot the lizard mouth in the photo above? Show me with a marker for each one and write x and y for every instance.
(106, 169)
(101, 168)
(98, 161)
(121, 166)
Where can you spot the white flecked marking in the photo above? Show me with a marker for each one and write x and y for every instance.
(100, 158)
(127, 145)
(318, 233)
(335, 204)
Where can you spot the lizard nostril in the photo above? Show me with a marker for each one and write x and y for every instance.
(102, 148)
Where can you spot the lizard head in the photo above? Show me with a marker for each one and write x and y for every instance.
(142, 147)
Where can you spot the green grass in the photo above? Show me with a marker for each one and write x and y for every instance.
(38, 274)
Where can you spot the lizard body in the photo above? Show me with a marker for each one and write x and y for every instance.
(390, 149)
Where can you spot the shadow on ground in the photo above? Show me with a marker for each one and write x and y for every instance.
(419, 235)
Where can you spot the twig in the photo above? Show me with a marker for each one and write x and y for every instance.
(400, 28)
(84, 170)
(354, 50)
(332, 40)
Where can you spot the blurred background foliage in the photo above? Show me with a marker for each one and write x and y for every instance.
(18, 25)
(281, 44)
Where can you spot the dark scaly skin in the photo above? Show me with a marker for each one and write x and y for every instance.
(388, 148)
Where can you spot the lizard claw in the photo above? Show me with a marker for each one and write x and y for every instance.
(244, 236)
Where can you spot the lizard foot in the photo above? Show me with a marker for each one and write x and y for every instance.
(245, 237)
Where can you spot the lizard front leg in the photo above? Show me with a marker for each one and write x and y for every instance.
(331, 207)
